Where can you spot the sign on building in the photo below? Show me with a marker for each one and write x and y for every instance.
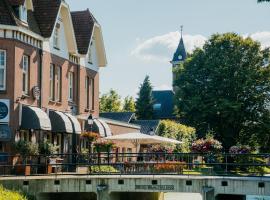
(4, 111)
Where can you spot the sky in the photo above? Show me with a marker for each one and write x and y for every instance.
(141, 36)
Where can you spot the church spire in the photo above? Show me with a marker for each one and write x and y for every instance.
(180, 54)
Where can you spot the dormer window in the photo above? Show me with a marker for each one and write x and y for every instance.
(157, 107)
(56, 43)
(23, 13)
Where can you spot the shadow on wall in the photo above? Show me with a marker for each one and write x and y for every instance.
(68, 196)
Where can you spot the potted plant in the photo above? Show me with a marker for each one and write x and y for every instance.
(90, 137)
(48, 150)
(25, 150)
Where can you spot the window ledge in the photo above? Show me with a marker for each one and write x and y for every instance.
(4, 91)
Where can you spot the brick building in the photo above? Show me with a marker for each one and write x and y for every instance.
(49, 72)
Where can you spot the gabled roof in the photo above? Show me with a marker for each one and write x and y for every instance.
(166, 100)
(83, 23)
(45, 12)
(147, 125)
(119, 116)
(6, 16)
(180, 53)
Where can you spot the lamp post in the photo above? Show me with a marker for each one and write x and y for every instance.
(90, 122)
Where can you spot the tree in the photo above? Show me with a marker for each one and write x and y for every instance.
(183, 133)
(129, 104)
(144, 102)
(110, 102)
(223, 87)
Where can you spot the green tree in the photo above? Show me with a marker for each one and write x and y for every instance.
(223, 87)
(183, 133)
(110, 102)
(129, 104)
(144, 102)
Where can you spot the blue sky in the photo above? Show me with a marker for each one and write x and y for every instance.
(141, 35)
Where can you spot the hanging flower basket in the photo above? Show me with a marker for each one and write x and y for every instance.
(104, 146)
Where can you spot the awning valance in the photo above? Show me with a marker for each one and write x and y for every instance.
(34, 118)
(60, 122)
(5, 133)
(100, 127)
(76, 124)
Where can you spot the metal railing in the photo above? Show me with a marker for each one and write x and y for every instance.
(136, 163)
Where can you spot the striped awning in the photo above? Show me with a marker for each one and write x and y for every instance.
(60, 122)
(75, 124)
(100, 127)
(34, 118)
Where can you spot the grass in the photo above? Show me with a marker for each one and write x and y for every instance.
(10, 195)
(102, 169)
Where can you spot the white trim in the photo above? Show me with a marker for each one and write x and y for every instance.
(76, 123)
(23, 30)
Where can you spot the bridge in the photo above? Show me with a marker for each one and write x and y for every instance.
(142, 177)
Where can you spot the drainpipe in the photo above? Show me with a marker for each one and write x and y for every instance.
(40, 76)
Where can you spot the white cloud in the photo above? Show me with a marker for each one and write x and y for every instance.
(262, 37)
(161, 48)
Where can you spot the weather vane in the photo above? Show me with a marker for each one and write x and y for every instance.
(182, 30)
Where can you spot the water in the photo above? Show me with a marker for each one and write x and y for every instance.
(184, 196)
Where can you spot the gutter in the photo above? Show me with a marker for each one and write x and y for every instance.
(40, 77)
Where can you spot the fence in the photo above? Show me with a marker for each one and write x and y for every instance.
(136, 163)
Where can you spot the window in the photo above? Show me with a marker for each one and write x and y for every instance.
(56, 37)
(52, 82)
(93, 94)
(58, 84)
(2, 69)
(70, 86)
(23, 13)
(87, 80)
(157, 106)
(25, 74)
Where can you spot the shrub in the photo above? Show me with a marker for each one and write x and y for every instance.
(47, 148)
(103, 169)
(183, 133)
(208, 145)
(26, 148)
(169, 167)
(10, 195)
(240, 149)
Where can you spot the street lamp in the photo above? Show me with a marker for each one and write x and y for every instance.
(90, 120)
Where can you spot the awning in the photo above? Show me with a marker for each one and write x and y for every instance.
(5, 133)
(76, 124)
(34, 118)
(60, 122)
(100, 127)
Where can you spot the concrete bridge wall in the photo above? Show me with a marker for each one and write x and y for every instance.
(111, 187)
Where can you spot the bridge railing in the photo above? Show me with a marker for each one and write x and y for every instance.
(136, 163)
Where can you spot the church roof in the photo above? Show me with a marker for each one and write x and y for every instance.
(180, 53)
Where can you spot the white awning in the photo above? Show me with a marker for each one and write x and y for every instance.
(100, 128)
(76, 124)
(60, 122)
(106, 127)
(34, 118)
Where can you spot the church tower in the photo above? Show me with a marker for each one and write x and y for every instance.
(179, 56)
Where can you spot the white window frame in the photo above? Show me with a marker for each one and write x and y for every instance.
(70, 86)
(51, 81)
(23, 13)
(4, 68)
(25, 73)
(90, 56)
(58, 83)
(56, 42)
